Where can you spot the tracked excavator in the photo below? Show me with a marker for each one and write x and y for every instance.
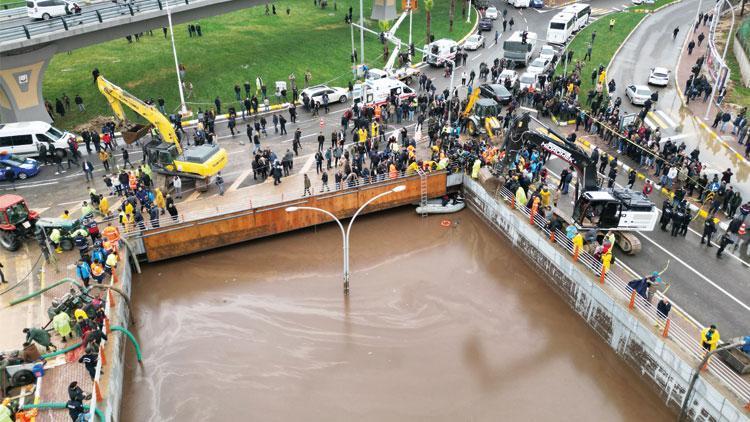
(622, 211)
(481, 115)
(166, 155)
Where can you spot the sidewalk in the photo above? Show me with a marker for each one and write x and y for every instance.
(698, 107)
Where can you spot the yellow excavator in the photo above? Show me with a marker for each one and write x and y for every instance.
(165, 155)
(481, 115)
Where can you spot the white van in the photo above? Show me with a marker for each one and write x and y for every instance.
(561, 28)
(377, 91)
(47, 9)
(24, 138)
(582, 12)
(439, 51)
(520, 3)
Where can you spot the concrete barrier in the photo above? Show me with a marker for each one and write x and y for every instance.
(633, 341)
(742, 59)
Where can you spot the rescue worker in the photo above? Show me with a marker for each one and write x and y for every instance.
(55, 237)
(83, 271)
(40, 336)
(710, 338)
(97, 271)
(475, 169)
(61, 323)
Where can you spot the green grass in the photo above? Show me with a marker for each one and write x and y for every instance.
(605, 44)
(234, 48)
(655, 5)
(738, 94)
(11, 4)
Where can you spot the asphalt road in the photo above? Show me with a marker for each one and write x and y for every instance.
(651, 45)
(712, 291)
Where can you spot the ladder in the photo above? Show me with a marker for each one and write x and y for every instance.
(423, 191)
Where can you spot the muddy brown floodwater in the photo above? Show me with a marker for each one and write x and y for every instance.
(442, 324)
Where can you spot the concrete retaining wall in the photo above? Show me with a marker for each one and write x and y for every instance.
(633, 341)
(743, 60)
(114, 372)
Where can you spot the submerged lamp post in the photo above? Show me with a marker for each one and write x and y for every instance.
(345, 233)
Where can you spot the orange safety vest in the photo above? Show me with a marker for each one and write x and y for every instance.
(393, 173)
(96, 269)
(111, 233)
(132, 181)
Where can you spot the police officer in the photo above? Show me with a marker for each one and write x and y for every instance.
(709, 228)
(666, 215)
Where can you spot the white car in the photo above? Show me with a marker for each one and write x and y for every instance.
(334, 93)
(491, 12)
(538, 66)
(659, 76)
(547, 52)
(48, 9)
(507, 74)
(638, 94)
(527, 80)
(474, 42)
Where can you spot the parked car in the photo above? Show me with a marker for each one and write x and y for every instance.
(496, 92)
(527, 80)
(474, 42)
(491, 12)
(547, 52)
(485, 24)
(507, 74)
(659, 76)
(537, 4)
(638, 94)
(47, 9)
(538, 66)
(334, 93)
(21, 167)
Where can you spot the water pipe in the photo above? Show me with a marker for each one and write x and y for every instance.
(130, 249)
(122, 294)
(132, 340)
(61, 351)
(38, 292)
(56, 405)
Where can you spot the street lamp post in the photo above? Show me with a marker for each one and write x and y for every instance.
(686, 402)
(468, 14)
(361, 33)
(715, 24)
(183, 107)
(345, 233)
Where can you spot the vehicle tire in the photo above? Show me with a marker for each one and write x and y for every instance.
(342, 100)
(66, 244)
(22, 176)
(10, 241)
(23, 377)
(46, 17)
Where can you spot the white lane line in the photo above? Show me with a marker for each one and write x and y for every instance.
(682, 136)
(308, 164)
(41, 209)
(706, 279)
(36, 185)
(476, 57)
(651, 124)
(666, 118)
(239, 180)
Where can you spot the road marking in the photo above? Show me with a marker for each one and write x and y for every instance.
(706, 279)
(193, 196)
(681, 136)
(239, 180)
(476, 57)
(666, 118)
(650, 123)
(308, 164)
(656, 119)
(41, 210)
(19, 186)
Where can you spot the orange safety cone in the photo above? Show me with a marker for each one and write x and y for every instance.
(531, 216)
(603, 274)
(552, 236)
(513, 202)
(110, 298)
(631, 305)
(98, 391)
(102, 356)
(665, 333)
(575, 253)
(106, 326)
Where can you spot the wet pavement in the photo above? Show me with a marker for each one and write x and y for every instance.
(441, 324)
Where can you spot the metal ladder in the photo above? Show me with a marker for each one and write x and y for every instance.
(423, 191)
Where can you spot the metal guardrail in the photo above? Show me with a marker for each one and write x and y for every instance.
(687, 341)
(33, 29)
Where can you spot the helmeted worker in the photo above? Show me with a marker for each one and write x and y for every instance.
(475, 168)
(55, 237)
(578, 242)
(97, 271)
(521, 199)
(104, 206)
(5, 411)
(710, 338)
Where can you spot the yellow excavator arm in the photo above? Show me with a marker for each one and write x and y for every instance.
(472, 100)
(117, 96)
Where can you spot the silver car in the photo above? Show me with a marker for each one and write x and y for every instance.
(474, 42)
(638, 94)
(659, 76)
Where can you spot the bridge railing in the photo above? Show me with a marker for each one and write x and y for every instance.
(28, 30)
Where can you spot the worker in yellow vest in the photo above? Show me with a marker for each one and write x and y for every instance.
(710, 338)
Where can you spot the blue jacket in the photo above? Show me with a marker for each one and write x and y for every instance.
(83, 270)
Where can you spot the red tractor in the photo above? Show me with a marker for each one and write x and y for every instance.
(16, 221)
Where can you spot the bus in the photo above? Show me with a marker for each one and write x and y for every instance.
(515, 50)
(560, 28)
(582, 11)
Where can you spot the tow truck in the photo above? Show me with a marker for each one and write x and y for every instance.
(199, 163)
(621, 211)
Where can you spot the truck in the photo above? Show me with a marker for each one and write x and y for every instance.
(17, 221)
(406, 74)
(377, 91)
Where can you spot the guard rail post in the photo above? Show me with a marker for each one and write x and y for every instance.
(26, 31)
(65, 23)
(130, 7)
(161, 7)
(99, 16)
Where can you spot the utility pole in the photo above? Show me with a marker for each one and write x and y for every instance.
(361, 33)
(183, 106)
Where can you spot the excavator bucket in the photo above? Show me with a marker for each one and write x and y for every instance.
(135, 132)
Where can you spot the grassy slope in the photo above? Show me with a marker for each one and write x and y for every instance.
(605, 45)
(739, 94)
(234, 48)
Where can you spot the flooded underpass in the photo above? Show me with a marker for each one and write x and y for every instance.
(442, 323)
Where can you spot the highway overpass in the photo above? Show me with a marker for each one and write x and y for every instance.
(26, 46)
